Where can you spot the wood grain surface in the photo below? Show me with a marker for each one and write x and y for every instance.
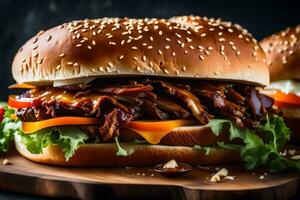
(22, 175)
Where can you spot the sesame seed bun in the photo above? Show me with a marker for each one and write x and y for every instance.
(283, 54)
(185, 47)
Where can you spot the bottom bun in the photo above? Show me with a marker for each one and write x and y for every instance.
(104, 155)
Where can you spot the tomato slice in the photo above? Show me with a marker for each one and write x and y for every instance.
(21, 86)
(30, 127)
(279, 96)
(20, 103)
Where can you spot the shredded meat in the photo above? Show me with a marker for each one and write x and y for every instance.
(114, 121)
(115, 106)
(192, 102)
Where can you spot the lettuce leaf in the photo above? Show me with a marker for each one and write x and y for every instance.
(69, 138)
(8, 127)
(255, 151)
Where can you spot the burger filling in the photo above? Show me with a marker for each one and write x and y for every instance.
(146, 111)
(116, 106)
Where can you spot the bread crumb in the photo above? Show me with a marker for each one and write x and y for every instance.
(152, 175)
(217, 176)
(5, 162)
(231, 178)
(296, 157)
(291, 152)
(262, 177)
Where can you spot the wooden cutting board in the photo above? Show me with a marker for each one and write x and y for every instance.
(22, 175)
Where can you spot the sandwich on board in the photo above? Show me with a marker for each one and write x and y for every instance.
(138, 92)
(283, 57)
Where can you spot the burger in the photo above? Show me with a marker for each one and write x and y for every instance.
(283, 57)
(137, 92)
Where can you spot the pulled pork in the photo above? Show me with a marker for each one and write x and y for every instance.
(115, 106)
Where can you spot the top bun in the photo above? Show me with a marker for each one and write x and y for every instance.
(283, 54)
(185, 47)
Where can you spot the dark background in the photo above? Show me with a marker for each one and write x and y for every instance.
(21, 19)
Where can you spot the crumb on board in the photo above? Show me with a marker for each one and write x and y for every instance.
(5, 162)
(217, 176)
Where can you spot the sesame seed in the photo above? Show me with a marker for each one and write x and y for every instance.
(183, 68)
(185, 51)
(112, 43)
(284, 61)
(230, 30)
(188, 39)
(238, 53)
(121, 57)
(160, 52)
(58, 67)
(62, 55)
(166, 71)
(182, 45)
(40, 61)
(200, 47)
(149, 47)
(78, 45)
(222, 47)
(221, 39)
(201, 57)
(160, 33)
(210, 48)
(35, 54)
(122, 42)
(167, 47)
(134, 48)
(110, 64)
(151, 38)
(240, 36)
(75, 64)
(192, 47)
(178, 35)
(89, 47)
(173, 54)
(135, 58)
(35, 47)
(49, 38)
(94, 42)
(168, 39)
(220, 33)
(69, 63)
(144, 58)
(203, 35)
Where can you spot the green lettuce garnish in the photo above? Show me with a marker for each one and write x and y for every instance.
(69, 138)
(257, 151)
(8, 127)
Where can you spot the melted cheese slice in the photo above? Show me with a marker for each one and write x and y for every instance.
(153, 132)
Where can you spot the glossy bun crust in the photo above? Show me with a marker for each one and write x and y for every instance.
(283, 54)
(184, 47)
